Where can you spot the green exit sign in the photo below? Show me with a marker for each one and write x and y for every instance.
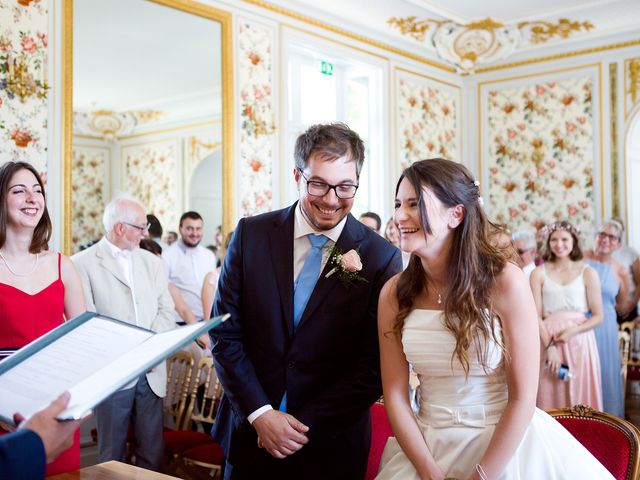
(326, 68)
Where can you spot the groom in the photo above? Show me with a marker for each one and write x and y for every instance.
(298, 359)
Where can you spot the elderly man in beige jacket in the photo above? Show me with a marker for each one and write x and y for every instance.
(125, 282)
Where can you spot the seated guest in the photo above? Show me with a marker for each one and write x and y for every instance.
(155, 230)
(392, 234)
(613, 278)
(170, 238)
(525, 245)
(371, 220)
(151, 246)
(39, 288)
(125, 282)
(565, 290)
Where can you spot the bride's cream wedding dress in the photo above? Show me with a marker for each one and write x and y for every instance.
(458, 415)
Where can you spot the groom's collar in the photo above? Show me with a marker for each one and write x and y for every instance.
(302, 228)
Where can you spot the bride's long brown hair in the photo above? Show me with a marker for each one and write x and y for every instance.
(476, 259)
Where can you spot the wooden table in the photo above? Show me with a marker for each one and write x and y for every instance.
(112, 471)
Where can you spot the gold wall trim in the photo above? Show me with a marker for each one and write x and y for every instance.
(434, 79)
(629, 88)
(539, 74)
(340, 31)
(613, 116)
(226, 33)
(559, 56)
(354, 36)
(288, 26)
(67, 120)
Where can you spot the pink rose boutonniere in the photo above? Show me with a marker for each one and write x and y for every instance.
(347, 266)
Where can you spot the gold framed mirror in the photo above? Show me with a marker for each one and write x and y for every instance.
(147, 110)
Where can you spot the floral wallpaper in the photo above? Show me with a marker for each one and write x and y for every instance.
(23, 64)
(89, 169)
(150, 175)
(540, 154)
(257, 128)
(426, 120)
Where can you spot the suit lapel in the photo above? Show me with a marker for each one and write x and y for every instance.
(281, 245)
(109, 263)
(349, 238)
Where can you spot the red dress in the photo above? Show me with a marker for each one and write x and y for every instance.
(23, 318)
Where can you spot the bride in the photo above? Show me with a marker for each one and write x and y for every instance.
(463, 315)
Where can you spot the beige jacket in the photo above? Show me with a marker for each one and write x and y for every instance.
(107, 293)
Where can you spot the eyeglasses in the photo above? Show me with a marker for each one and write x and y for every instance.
(138, 227)
(522, 251)
(608, 236)
(320, 189)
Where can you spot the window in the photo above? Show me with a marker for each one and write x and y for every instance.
(327, 86)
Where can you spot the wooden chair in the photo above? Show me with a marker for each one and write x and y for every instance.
(174, 405)
(179, 370)
(613, 441)
(201, 414)
(624, 339)
(633, 363)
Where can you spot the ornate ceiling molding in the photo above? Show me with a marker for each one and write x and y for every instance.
(109, 125)
(485, 41)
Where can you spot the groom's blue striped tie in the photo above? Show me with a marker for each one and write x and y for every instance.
(304, 285)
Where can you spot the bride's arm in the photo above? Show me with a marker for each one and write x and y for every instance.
(395, 385)
(514, 304)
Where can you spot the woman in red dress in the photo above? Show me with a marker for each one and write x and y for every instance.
(38, 288)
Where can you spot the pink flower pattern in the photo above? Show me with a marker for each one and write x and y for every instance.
(541, 154)
(426, 121)
(151, 171)
(257, 130)
(21, 37)
(89, 171)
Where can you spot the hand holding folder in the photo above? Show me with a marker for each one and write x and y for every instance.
(91, 356)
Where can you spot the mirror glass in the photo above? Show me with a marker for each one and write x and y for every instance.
(147, 113)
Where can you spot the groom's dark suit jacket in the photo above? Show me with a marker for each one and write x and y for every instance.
(329, 366)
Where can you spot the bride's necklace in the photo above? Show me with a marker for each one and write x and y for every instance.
(437, 293)
(35, 265)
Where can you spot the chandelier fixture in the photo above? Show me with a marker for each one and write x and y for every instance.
(485, 41)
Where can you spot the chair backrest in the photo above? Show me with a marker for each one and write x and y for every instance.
(624, 339)
(205, 397)
(612, 440)
(179, 368)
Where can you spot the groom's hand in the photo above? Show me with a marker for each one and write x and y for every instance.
(280, 434)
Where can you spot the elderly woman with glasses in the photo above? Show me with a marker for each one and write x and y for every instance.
(615, 286)
(39, 288)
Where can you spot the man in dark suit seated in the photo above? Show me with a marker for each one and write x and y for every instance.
(299, 359)
(25, 452)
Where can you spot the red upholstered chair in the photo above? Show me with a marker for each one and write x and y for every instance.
(612, 440)
(380, 433)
